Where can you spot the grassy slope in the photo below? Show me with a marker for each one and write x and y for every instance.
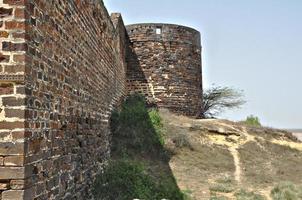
(205, 165)
(167, 156)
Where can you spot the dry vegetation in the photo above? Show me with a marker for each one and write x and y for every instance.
(219, 159)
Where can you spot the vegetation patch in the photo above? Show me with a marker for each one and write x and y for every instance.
(252, 121)
(244, 195)
(224, 185)
(287, 191)
(140, 165)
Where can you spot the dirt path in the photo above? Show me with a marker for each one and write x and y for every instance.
(235, 154)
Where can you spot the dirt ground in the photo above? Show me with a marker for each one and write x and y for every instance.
(214, 159)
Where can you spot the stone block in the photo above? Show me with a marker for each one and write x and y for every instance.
(27, 194)
(11, 148)
(14, 161)
(7, 173)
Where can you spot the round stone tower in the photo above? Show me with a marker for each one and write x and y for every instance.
(164, 63)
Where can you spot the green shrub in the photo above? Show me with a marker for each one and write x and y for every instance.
(125, 179)
(137, 135)
(286, 191)
(157, 124)
(252, 121)
(244, 195)
(135, 128)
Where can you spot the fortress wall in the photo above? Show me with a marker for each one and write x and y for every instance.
(13, 170)
(165, 65)
(64, 65)
(62, 73)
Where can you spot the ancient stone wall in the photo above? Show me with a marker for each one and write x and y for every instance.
(64, 66)
(165, 65)
(62, 72)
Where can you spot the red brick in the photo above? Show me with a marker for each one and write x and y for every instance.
(4, 58)
(5, 12)
(14, 25)
(19, 58)
(18, 35)
(11, 125)
(6, 88)
(17, 135)
(14, 2)
(19, 13)
(9, 46)
(18, 113)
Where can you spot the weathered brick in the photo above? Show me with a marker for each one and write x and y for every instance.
(6, 88)
(23, 90)
(1, 161)
(4, 58)
(11, 125)
(19, 13)
(18, 113)
(14, 2)
(27, 194)
(4, 12)
(14, 68)
(13, 101)
(15, 25)
(18, 35)
(11, 148)
(19, 58)
(21, 184)
(19, 135)
(14, 161)
(9, 46)
(13, 173)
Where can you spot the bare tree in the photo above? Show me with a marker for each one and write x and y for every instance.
(217, 99)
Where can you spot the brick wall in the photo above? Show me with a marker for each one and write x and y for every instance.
(165, 65)
(64, 65)
(62, 72)
(13, 171)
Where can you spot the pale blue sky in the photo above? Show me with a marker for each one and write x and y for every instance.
(253, 45)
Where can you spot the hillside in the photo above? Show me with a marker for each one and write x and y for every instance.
(159, 155)
(217, 158)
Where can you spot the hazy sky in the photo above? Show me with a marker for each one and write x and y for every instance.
(253, 45)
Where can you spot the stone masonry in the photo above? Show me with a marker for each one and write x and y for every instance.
(165, 65)
(64, 66)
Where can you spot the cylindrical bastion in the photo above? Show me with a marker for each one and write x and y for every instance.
(165, 65)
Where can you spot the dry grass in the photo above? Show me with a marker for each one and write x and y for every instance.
(203, 152)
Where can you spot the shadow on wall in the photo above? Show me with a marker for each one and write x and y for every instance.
(140, 164)
(136, 78)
